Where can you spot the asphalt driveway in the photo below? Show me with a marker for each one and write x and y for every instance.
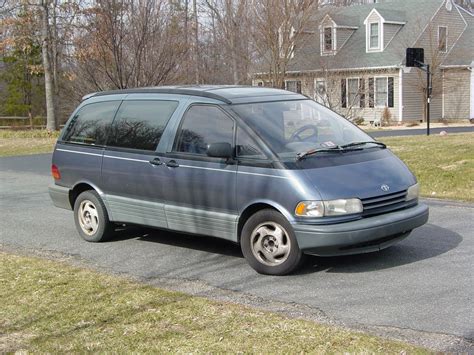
(421, 289)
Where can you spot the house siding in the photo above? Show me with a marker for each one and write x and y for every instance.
(456, 92)
(390, 30)
(334, 79)
(374, 17)
(420, 30)
(414, 82)
(342, 35)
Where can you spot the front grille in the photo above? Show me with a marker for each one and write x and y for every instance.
(386, 203)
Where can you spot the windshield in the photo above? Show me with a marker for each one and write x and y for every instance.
(292, 127)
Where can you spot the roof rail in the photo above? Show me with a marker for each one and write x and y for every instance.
(88, 96)
(164, 90)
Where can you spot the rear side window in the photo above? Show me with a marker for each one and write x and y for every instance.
(201, 126)
(91, 123)
(140, 124)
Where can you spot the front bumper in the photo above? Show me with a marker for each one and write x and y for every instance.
(361, 236)
(60, 196)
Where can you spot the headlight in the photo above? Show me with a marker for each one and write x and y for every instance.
(328, 208)
(413, 192)
(310, 209)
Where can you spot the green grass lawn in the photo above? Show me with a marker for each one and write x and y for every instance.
(23, 142)
(444, 165)
(51, 307)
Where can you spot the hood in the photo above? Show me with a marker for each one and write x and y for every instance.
(357, 174)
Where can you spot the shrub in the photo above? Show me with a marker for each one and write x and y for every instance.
(358, 121)
(386, 117)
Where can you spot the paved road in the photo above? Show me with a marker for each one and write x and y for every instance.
(421, 131)
(424, 284)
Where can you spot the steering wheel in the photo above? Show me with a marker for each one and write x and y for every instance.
(296, 136)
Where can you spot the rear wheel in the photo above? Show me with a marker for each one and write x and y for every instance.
(91, 218)
(269, 244)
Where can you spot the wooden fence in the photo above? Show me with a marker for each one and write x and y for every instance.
(21, 122)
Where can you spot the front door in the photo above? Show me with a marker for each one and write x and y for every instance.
(200, 190)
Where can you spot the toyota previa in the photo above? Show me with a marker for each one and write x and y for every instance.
(271, 170)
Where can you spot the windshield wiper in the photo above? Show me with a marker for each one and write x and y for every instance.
(334, 149)
(355, 144)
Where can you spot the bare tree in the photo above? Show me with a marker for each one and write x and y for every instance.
(233, 20)
(126, 43)
(278, 29)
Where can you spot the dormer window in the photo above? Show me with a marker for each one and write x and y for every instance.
(442, 39)
(328, 39)
(374, 36)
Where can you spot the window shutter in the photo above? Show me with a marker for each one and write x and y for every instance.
(362, 92)
(390, 92)
(343, 93)
(371, 92)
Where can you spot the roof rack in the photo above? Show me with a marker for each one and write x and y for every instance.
(177, 91)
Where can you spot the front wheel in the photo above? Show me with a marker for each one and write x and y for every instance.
(269, 244)
(91, 218)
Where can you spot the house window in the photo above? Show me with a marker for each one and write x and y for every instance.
(381, 92)
(293, 85)
(353, 92)
(328, 40)
(320, 89)
(374, 36)
(442, 38)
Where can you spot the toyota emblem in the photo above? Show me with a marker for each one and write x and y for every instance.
(385, 187)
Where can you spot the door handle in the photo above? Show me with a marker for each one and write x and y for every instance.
(172, 164)
(156, 161)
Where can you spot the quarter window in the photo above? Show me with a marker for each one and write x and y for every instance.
(140, 124)
(91, 123)
(246, 146)
(201, 126)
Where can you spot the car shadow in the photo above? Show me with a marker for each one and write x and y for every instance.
(180, 240)
(424, 243)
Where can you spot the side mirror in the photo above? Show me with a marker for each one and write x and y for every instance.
(219, 150)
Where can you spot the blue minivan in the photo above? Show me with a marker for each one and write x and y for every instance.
(268, 169)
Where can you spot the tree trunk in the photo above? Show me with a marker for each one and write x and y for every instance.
(186, 36)
(51, 123)
(196, 42)
(55, 58)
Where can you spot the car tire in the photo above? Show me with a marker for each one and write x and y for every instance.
(269, 244)
(91, 218)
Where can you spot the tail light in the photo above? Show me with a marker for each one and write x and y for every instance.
(55, 172)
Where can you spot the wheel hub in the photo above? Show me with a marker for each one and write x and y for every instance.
(270, 243)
